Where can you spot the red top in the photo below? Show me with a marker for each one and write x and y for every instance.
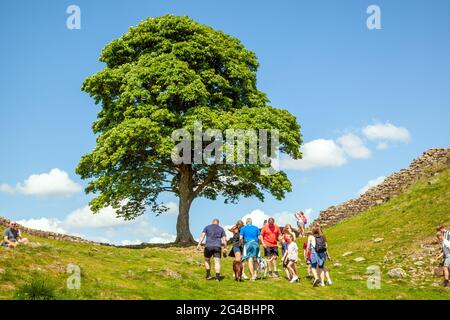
(270, 234)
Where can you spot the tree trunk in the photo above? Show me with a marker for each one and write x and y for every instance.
(184, 236)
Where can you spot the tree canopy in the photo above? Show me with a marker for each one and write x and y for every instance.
(165, 74)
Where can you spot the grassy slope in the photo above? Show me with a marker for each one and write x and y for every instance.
(405, 223)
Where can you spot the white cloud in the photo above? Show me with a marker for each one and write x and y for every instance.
(316, 154)
(85, 218)
(354, 147)
(54, 183)
(284, 218)
(172, 208)
(382, 145)
(257, 217)
(162, 238)
(44, 224)
(92, 238)
(386, 132)
(112, 227)
(310, 214)
(323, 153)
(130, 242)
(7, 188)
(371, 184)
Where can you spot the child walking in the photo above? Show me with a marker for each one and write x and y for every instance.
(290, 258)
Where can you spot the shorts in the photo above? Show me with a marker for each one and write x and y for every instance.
(283, 248)
(300, 224)
(271, 251)
(237, 249)
(293, 260)
(447, 262)
(318, 259)
(213, 251)
(251, 250)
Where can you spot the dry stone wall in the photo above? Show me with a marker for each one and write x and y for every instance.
(46, 234)
(425, 166)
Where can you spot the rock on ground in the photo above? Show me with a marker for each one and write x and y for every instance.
(397, 273)
(171, 274)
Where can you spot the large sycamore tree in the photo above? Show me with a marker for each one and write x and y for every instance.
(165, 74)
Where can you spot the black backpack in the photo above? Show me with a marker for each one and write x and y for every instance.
(321, 244)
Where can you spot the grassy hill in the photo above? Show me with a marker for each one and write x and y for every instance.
(406, 224)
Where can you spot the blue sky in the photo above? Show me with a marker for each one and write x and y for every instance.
(318, 60)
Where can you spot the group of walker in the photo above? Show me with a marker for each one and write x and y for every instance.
(248, 238)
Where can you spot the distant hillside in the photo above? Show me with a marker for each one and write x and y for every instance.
(398, 234)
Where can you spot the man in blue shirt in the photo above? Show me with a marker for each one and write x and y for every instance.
(215, 239)
(250, 236)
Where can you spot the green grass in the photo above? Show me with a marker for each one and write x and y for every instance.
(405, 222)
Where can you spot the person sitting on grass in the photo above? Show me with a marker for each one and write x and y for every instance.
(444, 254)
(290, 258)
(12, 236)
(445, 232)
(250, 236)
(215, 240)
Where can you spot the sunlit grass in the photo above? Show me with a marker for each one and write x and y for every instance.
(405, 223)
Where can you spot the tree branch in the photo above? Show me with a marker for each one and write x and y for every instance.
(209, 178)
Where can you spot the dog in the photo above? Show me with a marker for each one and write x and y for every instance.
(263, 267)
(238, 269)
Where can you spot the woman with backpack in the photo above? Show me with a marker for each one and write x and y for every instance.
(317, 249)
